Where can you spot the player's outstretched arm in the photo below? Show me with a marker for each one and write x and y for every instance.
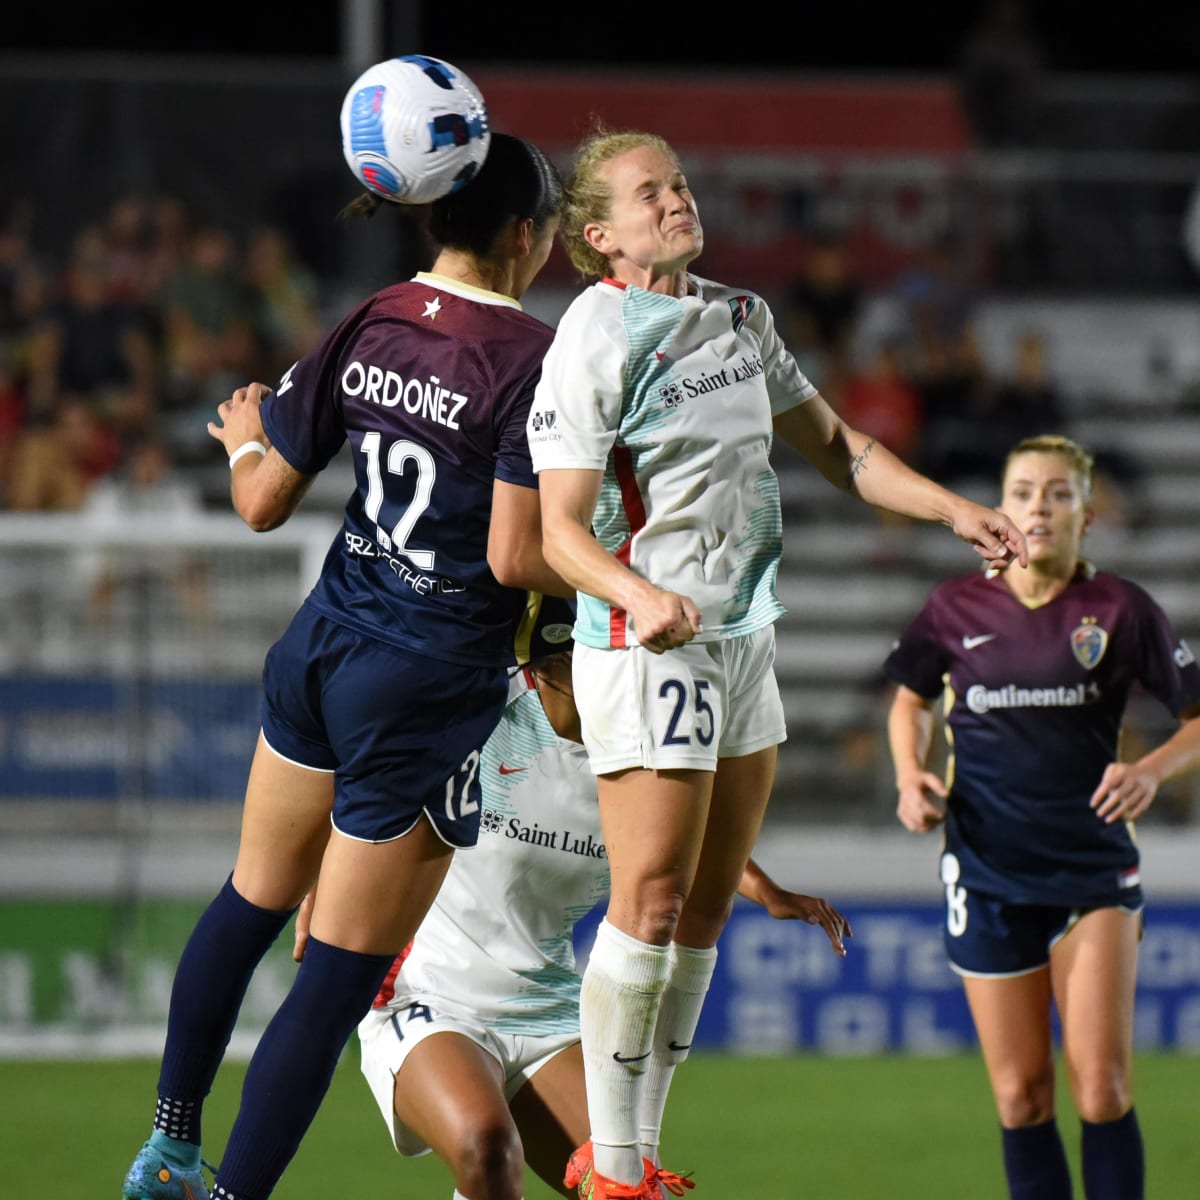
(854, 461)
(758, 886)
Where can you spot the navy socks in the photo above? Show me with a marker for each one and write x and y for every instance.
(214, 971)
(1114, 1164)
(294, 1063)
(1035, 1163)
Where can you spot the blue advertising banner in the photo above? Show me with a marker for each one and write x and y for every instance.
(779, 987)
(92, 978)
(100, 738)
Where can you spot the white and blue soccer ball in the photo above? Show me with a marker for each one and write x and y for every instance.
(414, 129)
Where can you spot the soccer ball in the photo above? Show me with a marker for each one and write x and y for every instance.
(414, 129)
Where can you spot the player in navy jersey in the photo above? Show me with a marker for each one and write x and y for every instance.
(651, 431)
(1040, 868)
(379, 696)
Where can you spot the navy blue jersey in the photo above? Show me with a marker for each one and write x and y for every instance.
(431, 381)
(1035, 701)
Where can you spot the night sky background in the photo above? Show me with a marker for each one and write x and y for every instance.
(1153, 37)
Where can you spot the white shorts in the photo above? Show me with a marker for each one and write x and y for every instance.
(682, 709)
(387, 1035)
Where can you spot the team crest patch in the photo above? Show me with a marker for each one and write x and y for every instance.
(1088, 643)
(740, 307)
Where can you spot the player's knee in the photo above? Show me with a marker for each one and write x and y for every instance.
(489, 1161)
(1102, 1094)
(649, 911)
(1024, 1100)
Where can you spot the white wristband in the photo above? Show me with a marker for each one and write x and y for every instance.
(244, 449)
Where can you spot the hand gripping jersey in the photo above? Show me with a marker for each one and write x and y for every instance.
(673, 400)
(497, 945)
(431, 382)
(1035, 699)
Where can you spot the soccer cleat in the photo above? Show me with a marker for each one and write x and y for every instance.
(153, 1177)
(582, 1174)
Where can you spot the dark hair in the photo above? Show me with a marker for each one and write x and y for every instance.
(516, 180)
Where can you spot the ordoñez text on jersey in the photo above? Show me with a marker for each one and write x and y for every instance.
(427, 399)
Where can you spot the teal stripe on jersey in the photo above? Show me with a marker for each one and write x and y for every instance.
(651, 323)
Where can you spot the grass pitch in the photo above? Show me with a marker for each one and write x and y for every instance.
(794, 1127)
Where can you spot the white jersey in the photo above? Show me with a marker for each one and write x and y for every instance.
(673, 399)
(497, 946)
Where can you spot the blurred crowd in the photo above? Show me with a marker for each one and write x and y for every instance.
(113, 361)
(908, 366)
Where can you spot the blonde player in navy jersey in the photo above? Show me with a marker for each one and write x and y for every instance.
(380, 694)
(1040, 868)
(472, 1049)
(651, 432)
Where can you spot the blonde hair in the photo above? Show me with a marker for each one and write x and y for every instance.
(589, 193)
(1081, 461)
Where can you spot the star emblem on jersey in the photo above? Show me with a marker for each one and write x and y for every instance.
(969, 643)
(1088, 643)
(432, 307)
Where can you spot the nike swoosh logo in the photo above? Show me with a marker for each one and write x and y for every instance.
(969, 643)
(511, 770)
(677, 1048)
(632, 1059)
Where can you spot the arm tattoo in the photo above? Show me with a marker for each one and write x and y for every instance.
(859, 463)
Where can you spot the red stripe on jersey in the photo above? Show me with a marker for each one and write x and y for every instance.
(635, 514)
(387, 989)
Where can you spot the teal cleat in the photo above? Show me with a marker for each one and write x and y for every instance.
(158, 1174)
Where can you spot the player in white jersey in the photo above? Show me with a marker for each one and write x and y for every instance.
(651, 432)
(492, 967)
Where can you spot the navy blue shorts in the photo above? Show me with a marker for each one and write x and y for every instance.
(401, 733)
(986, 936)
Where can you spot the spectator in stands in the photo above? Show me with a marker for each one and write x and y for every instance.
(169, 239)
(880, 399)
(954, 382)
(977, 414)
(823, 309)
(126, 233)
(55, 465)
(12, 412)
(88, 346)
(1039, 863)
(283, 302)
(208, 333)
(937, 294)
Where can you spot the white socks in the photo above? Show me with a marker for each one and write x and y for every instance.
(618, 1007)
(689, 975)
